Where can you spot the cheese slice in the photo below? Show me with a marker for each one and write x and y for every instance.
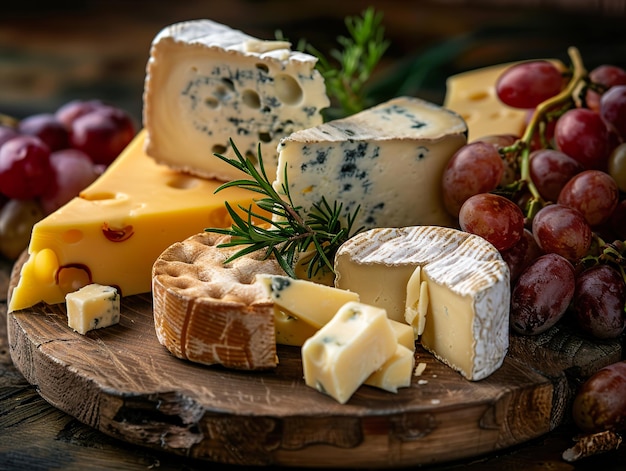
(472, 94)
(92, 307)
(467, 314)
(207, 83)
(346, 351)
(387, 160)
(314, 303)
(114, 231)
(396, 372)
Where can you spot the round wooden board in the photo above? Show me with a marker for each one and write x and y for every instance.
(121, 381)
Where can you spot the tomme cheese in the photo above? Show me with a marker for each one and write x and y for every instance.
(207, 83)
(92, 307)
(472, 94)
(345, 352)
(116, 229)
(388, 160)
(467, 284)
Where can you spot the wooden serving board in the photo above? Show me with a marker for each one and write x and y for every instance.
(121, 381)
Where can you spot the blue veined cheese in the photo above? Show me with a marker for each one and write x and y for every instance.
(388, 160)
(348, 350)
(464, 320)
(207, 83)
(93, 306)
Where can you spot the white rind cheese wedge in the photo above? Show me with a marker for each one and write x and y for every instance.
(467, 315)
(388, 160)
(92, 307)
(207, 83)
(346, 351)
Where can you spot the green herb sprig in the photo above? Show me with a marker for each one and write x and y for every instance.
(287, 234)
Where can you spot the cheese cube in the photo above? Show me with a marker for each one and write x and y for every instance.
(396, 372)
(207, 83)
(387, 160)
(347, 350)
(92, 307)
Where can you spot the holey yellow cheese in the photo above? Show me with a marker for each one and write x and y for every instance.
(116, 229)
(348, 350)
(207, 83)
(387, 161)
(464, 320)
(472, 94)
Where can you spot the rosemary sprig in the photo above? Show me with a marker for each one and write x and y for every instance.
(346, 70)
(285, 233)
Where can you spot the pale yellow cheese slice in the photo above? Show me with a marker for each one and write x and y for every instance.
(113, 233)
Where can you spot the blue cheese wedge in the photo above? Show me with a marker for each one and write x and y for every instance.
(348, 350)
(94, 306)
(387, 160)
(207, 83)
(464, 318)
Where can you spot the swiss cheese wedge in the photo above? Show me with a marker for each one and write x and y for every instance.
(113, 233)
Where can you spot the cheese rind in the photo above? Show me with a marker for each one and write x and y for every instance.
(207, 83)
(467, 320)
(347, 350)
(92, 307)
(114, 231)
(387, 160)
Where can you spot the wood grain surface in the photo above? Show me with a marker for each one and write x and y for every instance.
(122, 382)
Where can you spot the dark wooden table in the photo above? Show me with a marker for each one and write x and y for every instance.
(88, 49)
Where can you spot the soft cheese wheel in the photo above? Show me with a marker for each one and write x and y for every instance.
(387, 160)
(207, 83)
(467, 281)
(211, 313)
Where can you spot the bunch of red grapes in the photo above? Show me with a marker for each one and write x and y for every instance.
(46, 159)
(553, 201)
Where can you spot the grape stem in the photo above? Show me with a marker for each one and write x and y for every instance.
(579, 74)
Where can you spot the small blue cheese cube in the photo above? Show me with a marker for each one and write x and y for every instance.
(92, 307)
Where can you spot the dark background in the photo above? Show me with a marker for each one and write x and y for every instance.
(53, 52)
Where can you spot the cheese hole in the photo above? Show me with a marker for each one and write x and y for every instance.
(288, 89)
(71, 278)
(218, 149)
(98, 196)
(478, 96)
(265, 137)
(211, 102)
(72, 236)
(262, 67)
(251, 98)
(228, 83)
(46, 264)
(183, 182)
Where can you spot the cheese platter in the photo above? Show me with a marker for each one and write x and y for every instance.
(123, 382)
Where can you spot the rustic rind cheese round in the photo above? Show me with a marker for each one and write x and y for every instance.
(209, 312)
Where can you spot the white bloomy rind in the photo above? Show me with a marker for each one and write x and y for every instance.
(207, 83)
(467, 315)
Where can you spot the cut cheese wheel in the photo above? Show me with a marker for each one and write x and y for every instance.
(466, 321)
(211, 313)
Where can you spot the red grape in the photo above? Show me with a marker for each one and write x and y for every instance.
(76, 108)
(494, 218)
(617, 221)
(599, 302)
(7, 133)
(25, 169)
(542, 294)
(617, 166)
(607, 76)
(562, 230)
(102, 134)
(475, 168)
(47, 128)
(74, 172)
(510, 165)
(527, 84)
(613, 109)
(593, 193)
(550, 170)
(520, 255)
(583, 135)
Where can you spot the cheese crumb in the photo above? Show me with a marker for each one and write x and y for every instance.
(419, 369)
